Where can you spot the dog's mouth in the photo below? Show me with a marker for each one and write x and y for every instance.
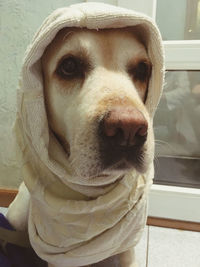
(124, 160)
(107, 176)
(121, 165)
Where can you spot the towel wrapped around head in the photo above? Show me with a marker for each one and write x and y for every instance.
(89, 220)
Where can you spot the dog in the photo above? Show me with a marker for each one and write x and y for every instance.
(95, 87)
(105, 73)
(108, 72)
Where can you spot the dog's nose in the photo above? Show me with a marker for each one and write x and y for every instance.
(125, 126)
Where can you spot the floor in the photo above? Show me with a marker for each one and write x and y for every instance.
(165, 247)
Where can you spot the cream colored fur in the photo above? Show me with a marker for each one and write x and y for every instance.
(85, 103)
(75, 107)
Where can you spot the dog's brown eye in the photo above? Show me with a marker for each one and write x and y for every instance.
(70, 67)
(141, 71)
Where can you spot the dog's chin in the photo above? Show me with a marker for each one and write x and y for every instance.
(124, 166)
(118, 169)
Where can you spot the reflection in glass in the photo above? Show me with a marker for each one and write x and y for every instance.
(179, 20)
(177, 129)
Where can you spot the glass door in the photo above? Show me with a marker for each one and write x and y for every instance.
(177, 130)
(175, 193)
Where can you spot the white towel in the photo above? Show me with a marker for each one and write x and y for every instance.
(68, 228)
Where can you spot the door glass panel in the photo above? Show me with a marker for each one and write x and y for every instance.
(177, 130)
(179, 20)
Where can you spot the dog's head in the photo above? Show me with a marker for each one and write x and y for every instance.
(96, 85)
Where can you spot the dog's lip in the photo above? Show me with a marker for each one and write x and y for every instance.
(121, 165)
(118, 167)
(115, 170)
(99, 176)
(118, 178)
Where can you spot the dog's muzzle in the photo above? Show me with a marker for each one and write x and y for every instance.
(122, 134)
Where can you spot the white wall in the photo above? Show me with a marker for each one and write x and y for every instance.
(19, 19)
(171, 18)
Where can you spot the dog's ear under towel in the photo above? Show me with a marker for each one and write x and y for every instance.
(74, 233)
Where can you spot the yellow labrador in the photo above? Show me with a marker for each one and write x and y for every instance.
(105, 72)
(109, 70)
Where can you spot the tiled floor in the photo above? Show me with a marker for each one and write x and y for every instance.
(3, 210)
(164, 247)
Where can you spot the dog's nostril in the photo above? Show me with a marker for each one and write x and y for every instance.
(142, 130)
(125, 126)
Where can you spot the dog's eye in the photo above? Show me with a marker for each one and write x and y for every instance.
(70, 67)
(140, 72)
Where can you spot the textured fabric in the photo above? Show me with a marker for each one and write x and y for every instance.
(12, 255)
(89, 220)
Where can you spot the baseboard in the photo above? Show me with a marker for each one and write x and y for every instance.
(8, 195)
(176, 224)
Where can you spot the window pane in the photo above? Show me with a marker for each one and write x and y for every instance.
(177, 129)
(179, 20)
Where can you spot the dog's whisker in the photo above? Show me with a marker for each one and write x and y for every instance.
(163, 143)
(156, 162)
(165, 147)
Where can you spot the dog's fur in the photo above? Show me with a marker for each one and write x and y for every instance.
(112, 70)
(108, 58)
